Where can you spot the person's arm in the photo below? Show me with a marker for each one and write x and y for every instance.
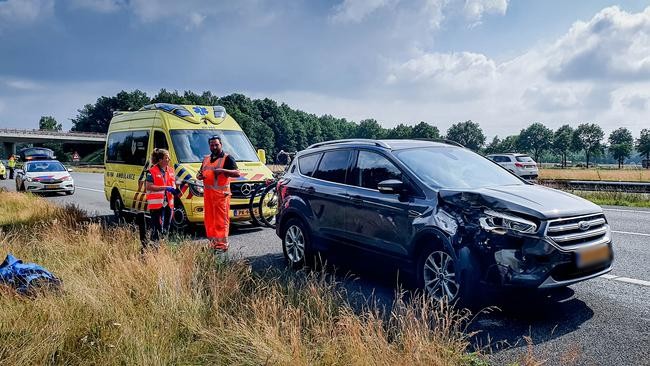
(199, 175)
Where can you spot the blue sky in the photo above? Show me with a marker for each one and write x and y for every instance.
(504, 64)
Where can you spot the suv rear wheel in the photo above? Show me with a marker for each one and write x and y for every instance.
(295, 244)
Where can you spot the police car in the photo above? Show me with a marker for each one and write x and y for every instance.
(44, 176)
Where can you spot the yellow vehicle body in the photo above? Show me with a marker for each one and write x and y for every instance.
(184, 131)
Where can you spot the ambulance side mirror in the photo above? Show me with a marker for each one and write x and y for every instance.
(261, 154)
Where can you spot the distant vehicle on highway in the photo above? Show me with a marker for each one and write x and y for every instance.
(36, 153)
(454, 220)
(40, 176)
(519, 164)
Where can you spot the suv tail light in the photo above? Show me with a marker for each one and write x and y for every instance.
(519, 165)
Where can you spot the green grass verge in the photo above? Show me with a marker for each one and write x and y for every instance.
(615, 198)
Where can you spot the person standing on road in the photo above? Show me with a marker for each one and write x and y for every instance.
(216, 171)
(11, 163)
(161, 188)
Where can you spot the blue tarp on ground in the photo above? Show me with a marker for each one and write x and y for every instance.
(25, 277)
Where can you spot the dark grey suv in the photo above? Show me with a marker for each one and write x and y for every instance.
(455, 220)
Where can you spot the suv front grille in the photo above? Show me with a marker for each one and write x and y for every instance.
(245, 189)
(572, 232)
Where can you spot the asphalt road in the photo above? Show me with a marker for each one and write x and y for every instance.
(604, 321)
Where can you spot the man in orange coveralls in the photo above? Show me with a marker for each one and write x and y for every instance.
(216, 171)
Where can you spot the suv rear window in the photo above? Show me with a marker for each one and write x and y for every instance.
(333, 166)
(307, 164)
(524, 159)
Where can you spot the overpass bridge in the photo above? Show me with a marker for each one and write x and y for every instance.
(10, 136)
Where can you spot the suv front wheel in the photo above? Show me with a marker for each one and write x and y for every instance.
(295, 244)
(443, 279)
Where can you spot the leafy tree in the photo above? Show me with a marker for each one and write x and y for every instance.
(621, 145)
(535, 139)
(424, 130)
(96, 117)
(468, 134)
(493, 147)
(370, 129)
(587, 138)
(49, 123)
(643, 144)
(562, 142)
(401, 131)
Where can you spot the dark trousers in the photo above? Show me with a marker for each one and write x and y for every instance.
(11, 173)
(160, 221)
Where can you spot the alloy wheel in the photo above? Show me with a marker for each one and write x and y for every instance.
(294, 241)
(439, 274)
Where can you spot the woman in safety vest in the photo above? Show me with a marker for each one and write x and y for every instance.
(216, 171)
(161, 187)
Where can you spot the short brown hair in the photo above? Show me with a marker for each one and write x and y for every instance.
(157, 155)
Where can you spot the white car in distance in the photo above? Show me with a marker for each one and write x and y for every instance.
(519, 164)
(44, 176)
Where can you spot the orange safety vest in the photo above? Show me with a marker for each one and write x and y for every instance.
(222, 182)
(160, 178)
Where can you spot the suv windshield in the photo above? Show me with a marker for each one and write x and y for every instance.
(192, 145)
(44, 166)
(455, 168)
(524, 159)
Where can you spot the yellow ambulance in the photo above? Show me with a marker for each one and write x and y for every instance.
(184, 131)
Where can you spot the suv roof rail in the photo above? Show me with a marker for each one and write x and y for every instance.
(445, 141)
(342, 141)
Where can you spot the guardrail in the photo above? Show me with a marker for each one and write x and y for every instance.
(53, 133)
(590, 185)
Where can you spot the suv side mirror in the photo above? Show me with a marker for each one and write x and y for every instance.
(261, 154)
(391, 186)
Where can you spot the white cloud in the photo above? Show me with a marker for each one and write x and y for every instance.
(444, 74)
(640, 102)
(614, 45)
(24, 11)
(22, 84)
(474, 9)
(354, 11)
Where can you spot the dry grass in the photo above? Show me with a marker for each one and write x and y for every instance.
(182, 305)
(622, 175)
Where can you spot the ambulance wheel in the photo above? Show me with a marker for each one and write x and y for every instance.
(179, 221)
(118, 205)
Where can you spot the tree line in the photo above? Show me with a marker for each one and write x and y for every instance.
(274, 127)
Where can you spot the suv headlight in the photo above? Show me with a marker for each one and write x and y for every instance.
(29, 179)
(500, 222)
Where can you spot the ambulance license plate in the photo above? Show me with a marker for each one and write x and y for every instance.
(243, 212)
(593, 256)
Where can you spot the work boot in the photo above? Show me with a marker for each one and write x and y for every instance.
(219, 247)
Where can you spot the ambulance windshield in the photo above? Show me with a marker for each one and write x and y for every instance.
(192, 145)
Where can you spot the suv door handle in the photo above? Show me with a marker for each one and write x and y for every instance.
(310, 190)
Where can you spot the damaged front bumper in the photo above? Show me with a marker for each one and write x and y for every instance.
(534, 262)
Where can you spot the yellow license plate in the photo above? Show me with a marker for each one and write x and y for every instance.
(47, 186)
(593, 256)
